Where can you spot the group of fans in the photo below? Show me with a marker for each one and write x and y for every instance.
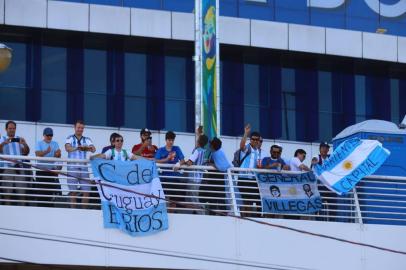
(206, 152)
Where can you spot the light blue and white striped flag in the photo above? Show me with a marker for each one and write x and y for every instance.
(350, 162)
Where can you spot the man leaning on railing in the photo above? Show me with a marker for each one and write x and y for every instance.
(77, 147)
(47, 181)
(15, 181)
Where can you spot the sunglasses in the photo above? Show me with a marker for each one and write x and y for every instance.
(49, 135)
(119, 140)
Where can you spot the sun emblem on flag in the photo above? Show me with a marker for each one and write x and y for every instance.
(292, 191)
(347, 165)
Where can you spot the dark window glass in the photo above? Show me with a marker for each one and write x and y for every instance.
(95, 87)
(325, 106)
(175, 93)
(53, 96)
(360, 98)
(288, 104)
(135, 90)
(251, 96)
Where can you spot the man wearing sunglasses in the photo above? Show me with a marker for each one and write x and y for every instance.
(247, 184)
(117, 152)
(46, 180)
(275, 162)
(145, 149)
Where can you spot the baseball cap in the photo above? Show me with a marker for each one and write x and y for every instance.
(48, 131)
(325, 144)
(145, 130)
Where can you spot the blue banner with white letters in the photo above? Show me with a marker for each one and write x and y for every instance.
(289, 193)
(132, 196)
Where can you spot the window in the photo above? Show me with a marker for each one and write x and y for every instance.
(175, 93)
(135, 90)
(53, 79)
(95, 87)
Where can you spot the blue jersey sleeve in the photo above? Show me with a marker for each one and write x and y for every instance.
(158, 154)
(179, 153)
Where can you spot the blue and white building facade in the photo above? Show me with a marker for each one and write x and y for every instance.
(297, 70)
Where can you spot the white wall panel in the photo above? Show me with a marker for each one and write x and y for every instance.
(343, 42)
(150, 23)
(109, 19)
(194, 236)
(266, 34)
(402, 49)
(234, 31)
(30, 13)
(68, 16)
(379, 47)
(306, 38)
(183, 26)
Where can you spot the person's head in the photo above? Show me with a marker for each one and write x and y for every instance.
(118, 141)
(276, 151)
(324, 148)
(202, 140)
(275, 191)
(145, 134)
(306, 188)
(300, 154)
(113, 137)
(79, 127)
(170, 138)
(48, 134)
(215, 144)
(11, 127)
(255, 139)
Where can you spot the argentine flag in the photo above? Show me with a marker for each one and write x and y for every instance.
(350, 162)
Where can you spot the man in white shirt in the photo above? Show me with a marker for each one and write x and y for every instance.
(296, 163)
(77, 147)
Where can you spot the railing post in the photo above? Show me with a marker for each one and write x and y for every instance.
(233, 198)
(357, 206)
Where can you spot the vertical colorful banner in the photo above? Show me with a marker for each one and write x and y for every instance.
(209, 67)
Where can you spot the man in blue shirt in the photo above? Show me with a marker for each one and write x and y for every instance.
(274, 162)
(171, 154)
(46, 180)
(215, 190)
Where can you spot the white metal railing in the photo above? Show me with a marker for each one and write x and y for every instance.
(196, 189)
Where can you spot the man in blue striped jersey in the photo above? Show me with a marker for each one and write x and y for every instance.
(197, 158)
(77, 147)
(250, 157)
(15, 146)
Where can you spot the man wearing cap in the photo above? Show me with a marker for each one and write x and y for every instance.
(328, 196)
(145, 149)
(324, 148)
(45, 178)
